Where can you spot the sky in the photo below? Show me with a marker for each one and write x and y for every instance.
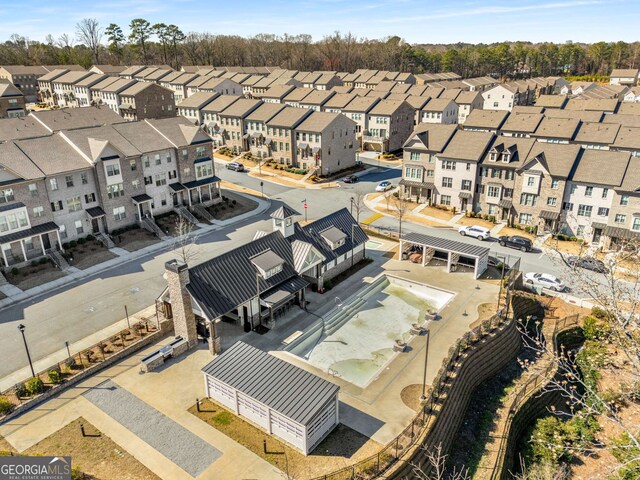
(416, 21)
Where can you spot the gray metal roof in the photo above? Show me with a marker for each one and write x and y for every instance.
(283, 387)
(445, 244)
(283, 212)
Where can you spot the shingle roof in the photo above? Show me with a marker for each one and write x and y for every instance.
(437, 105)
(518, 147)
(17, 162)
(110, 68)
(119, 85)
(21, 127)
(602, 167)
(278, 91)
(527, 109)
(318, 121)
(624, 120)
(137, 87)
(361, 105)
(52, 155)
(179, 131)
(289, 117)
(318, 97)
(558, 159)
(624, 73)
(265, 112)
(595, 104)
(629, 108)
(340, 100)
(628, 138)
(71, 77)
(72, 118)
(53, 74)
(220, 103)
(91, 80)
(551, 101)
(585, 116)
(562, 128)
(467, 98)
(387, 107)
(490, 119)
(198, 100)
(432, 137)
(522, 122)
(468, 145)
(631, 181)
(285, 388)
(594, 132)
(241, 108)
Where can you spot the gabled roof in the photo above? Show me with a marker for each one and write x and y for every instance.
(595, 104)
(551, 101)
(522, 122)
(318, 121)
(388, 107)
(91, 80)
(198, 100)
(602, 167)
(594, 132)
(109, 68)
(624, 120)
(361, 105)
(430, 137)
(317, 97)
(241, 108)
(179, 131)
(285, 211)
(467, 98)
(519, 149)
(71, 77)
(265, 112)
(138, 87)
(342, 89)
(220, 103)
(558, 160)
(561, 128)
(278, 91)
(17, 162)
(285, 388)
(468, 145)
(624, 73)
(119, 85)
(585, 116)
(298, 94)
(289, 117)
(631, 181)
(629, 108)
(52, 155)
(73, 118)
(9, 90)
(53, 74)
(340, 100)
(21, 127)
(437, 105)
(628, 138)
(527, 109)
(488, 119)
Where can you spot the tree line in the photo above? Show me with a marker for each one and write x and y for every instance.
(160, 43)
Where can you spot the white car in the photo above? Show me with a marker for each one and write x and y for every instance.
(384, 186)
(475, 231)
(545, 281)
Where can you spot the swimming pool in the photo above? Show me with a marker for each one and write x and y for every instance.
(355, 341)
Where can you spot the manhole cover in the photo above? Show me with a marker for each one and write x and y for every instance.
(90, 309)
(134, 290)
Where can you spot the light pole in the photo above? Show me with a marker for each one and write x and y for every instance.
(423, 397)
(21, 327)
(351, 209)
(261, 188)
(353, 226)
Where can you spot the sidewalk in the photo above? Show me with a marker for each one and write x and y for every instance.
(415, 214)
(15, 295)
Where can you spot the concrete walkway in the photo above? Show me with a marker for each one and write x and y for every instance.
(14, 294)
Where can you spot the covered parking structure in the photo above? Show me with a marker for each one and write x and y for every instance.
(455, 252)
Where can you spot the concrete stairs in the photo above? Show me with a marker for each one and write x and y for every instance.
(203, 212)
(105, 240)
(58, 259)
(183, 212)
(312, 171)
(148, 224)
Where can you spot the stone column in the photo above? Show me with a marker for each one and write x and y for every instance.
(184, 320)
(214, 338)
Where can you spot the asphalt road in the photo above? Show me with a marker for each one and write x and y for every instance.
(78, 310)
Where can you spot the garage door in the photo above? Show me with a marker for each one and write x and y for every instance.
(286, 429)
(221, 393)
(253, 410)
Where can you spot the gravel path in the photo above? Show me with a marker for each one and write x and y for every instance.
(175, 442)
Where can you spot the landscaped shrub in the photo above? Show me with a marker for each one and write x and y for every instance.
(492, 218)
(55, 376)
(34, 386)
(5, 406)
(81, 241)
(15, 271)
(233, 202)
(73, 244)
(70, 362)
(90, 238)
(527, 229)
(21, 390)
(44, 260)
(34, 263)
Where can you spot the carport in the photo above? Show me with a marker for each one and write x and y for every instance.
(454, 251)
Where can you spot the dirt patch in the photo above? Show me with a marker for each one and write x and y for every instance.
(33, 275)
(5, 447)
(88, 254)
(170, 224)
(226, 158)
(342, 447)
(135, 239)
(508, 231)
(469, 221)
(410, 396)
(276, 179)
(437, 213)
(233, 206)
(95, 454)
(485, 312)
(568, 247)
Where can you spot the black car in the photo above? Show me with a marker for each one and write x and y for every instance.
(350, 179)
(514, 241)
(588, 263)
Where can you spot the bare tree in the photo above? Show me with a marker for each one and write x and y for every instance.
(89, 32)
(436, 467)
(184, 245)
(401, 209)
(357, 203)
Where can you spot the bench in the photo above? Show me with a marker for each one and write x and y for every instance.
(292, 337)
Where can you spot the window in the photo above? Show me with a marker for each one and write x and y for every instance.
(119, 213)
(624, 199)
(526, 218)
(33, 189)
(584, 210)
(414, 156)
(468, 167)
(63, 231)
(603, 212)
(445, 199)
(145, 160)
(552, 201)
(588, 191)
(135, 183)
(115, 190)
(496, 173)
(531, 181)
(185, 154)
(620, 218)
(134, 165)
(636, 223)
(493, 191)
(74, 204)
(508, 193)
(201, 152)
(53, 183)
(158, 160)
(447, 182)
(528, 199)
(6, 195)
(448, 165)
(204, 170)
(79, 227)
(69, 180)
(161, 179)
(187, 171)
(90, 198)
(605, 192)
(573, 189)
(554, 184)
(113, 169)
(466, 185)
(38, 211)
(567, 206)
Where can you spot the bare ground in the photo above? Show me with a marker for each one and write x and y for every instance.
(410, 396)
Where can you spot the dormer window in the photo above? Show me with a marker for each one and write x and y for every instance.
(493, 156)
(506, 157)
(268, 264)
(334, 237)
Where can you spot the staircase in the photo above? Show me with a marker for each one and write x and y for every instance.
(105, 240)
(186, 214)
(203, 212)
(312, 171)
(58, 259)
(148, 224)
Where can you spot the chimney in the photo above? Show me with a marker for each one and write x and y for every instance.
(184, 320)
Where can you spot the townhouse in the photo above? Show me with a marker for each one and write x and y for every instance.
(232, 119)
(596, 136)
(157, 75)
(339, 101)
(467, 102)
(82, 93)
(256, 128)
(590, 192)
(358, 110)
(110, 70)
(211, 119)
(440, 110)
(110, 95)
(45, 86)
(177, 82)
(63, 88)
(25, 78)
(390, 122)
(326, 143)
(632, 95)
(277, 93)
(281, 133)
(129, 72)
(191, 108)
(521, 124)
(505, 96)
(12, 101)
(146, 100)
(623, 226)
(621, 76)
(556, 130)
(316, 100)
(223, 86)
(418, 103)
(420, 153)
(457, 169)
(296, 96)
(551, 101)
(95, 91)
(485, 120)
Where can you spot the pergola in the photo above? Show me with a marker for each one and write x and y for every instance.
(453, 249)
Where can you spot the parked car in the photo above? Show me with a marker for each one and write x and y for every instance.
(545, 281)
(350, 179)
(588, 263)
(514, 241)
(235, 166)
(476, 231)
(384, 186)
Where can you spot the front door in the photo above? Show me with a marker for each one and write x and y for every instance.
(95, 226)
(46, 243)
(597, 233)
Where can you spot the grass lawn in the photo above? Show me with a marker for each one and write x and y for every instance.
(5, 447)
(135, 239)
(226, 210)
(87, 255)
(95, 454)
(437, 213)
(469, 221)
(281, 179)
(508, 231)
(33, 276)
(341, 448)
(568, 247)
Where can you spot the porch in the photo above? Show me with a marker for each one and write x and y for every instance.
(205, 191)
(423, 192)
(29, 244)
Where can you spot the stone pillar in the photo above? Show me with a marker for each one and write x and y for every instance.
(214, 338)
(184, 320)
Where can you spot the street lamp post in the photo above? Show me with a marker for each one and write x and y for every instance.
(261, 188)
(351, 209)
(423, 397)
(353, 226)
(21, 327)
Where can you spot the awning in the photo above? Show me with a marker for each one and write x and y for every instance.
(615, 232)
(598, 225)
(548, 215)
(466, 195)
(143, 197)
(303, 146)
(245, 136)
(126, 106)
(202, 160)
(95, 212)
(30, 232)
(201, 182)
(268, 141)
(283, 291)
(505, 203)
(256, 134)
(410, 183)
(12, 206)
(177, 187)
